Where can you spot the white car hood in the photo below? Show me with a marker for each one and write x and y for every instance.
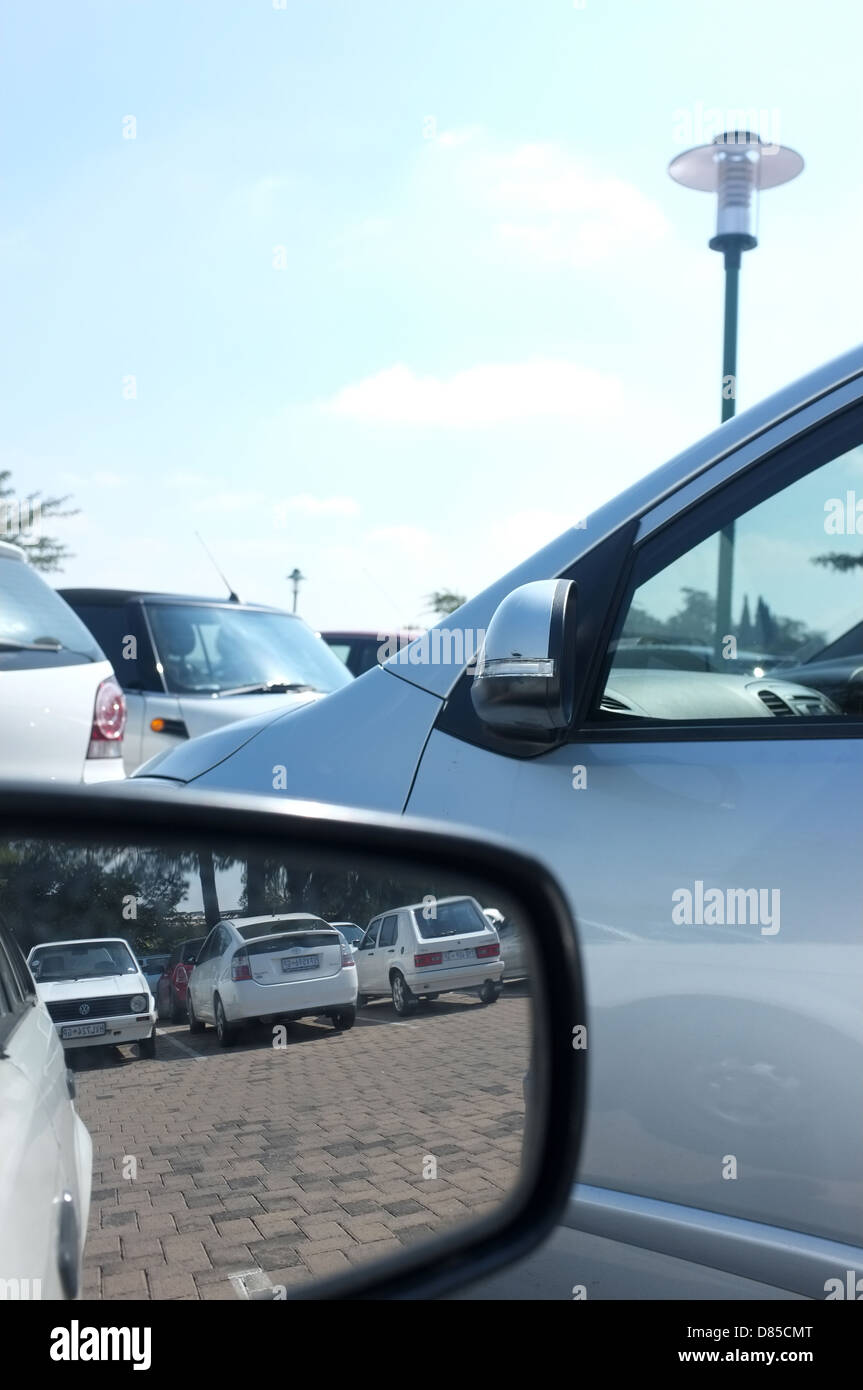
(103, 987)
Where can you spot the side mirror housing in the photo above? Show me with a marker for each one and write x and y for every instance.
(524, 683)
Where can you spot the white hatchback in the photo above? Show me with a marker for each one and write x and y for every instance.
(283, 966)
(427, 949)
(96, 993)
(62, 710)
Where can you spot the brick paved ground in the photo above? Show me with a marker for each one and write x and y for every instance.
(260, 1167)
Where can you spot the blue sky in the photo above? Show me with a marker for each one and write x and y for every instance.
(405, 290)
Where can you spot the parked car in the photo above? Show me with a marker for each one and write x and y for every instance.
(174, 981)
(189, 665)
(62, 711)
(46, 1154)
(153, 968)
(351, 932)
(515, 961)
(704, 825)
(360, 651)
(96, 993)
(417, 952)
(263, 969)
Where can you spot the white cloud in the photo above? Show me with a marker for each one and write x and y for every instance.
(540, 201)
(304, 504)
(488, 394)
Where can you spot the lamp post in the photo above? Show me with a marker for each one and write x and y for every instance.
(735, 166)
(296, 579)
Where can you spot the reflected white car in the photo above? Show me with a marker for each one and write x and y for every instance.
(46, 1154)
(283, 966)
(515, 965)
(96, 993)
(426, 949)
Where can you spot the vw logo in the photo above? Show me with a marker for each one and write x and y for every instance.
(84, 1008)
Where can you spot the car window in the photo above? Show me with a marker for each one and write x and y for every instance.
(33, 614)
(113, 625)
(450, 919)
(390, 931)
(208, 948)
(15, 998)
(211, 650)
(371, 936)
(747, 621)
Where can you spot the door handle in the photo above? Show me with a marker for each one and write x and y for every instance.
(68, 1246)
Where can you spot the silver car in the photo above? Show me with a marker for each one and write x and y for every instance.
(701, 809)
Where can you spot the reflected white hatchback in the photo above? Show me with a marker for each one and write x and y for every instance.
(263, 969)
(429, 948)
(96, 993)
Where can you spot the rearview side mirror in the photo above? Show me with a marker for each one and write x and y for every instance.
(524, 683)
(287, 1006)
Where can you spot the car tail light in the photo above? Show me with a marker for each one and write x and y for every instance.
(180, 976)
(347, 956)
(240, 967)
(109, 721)
(431, 958)
(485, 951)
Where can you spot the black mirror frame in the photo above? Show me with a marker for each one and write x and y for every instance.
(130, 811)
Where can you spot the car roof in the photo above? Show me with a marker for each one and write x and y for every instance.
(81, 941)
(118, 597)
(411, 907)
(8, 551)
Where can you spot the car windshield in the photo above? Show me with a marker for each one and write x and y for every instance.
(450, 919)
(223, 650)
(81, 960)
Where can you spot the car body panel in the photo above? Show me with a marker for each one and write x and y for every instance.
(46, 1159)
(368, 760)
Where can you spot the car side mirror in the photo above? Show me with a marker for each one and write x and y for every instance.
(194, 854)
(190, 960)
(524, 682)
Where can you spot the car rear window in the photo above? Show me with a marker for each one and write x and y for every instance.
(286, 940)
(451, 919)
(31, 612)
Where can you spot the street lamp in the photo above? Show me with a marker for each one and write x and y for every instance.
(735, 166)
(296, 579)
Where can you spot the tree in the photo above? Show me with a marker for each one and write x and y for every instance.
(444, 602)
(21, 521)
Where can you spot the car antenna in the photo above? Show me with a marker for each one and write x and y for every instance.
(232, 596)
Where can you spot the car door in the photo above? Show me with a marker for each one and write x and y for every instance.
(202, 977)
(387, 950)
(368, 971)
(705, 818)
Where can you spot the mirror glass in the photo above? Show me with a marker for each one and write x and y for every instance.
(341, 1073)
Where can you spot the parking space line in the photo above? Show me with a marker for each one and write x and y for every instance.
(190, 1052)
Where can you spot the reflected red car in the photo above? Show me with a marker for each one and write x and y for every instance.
(173, 982)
